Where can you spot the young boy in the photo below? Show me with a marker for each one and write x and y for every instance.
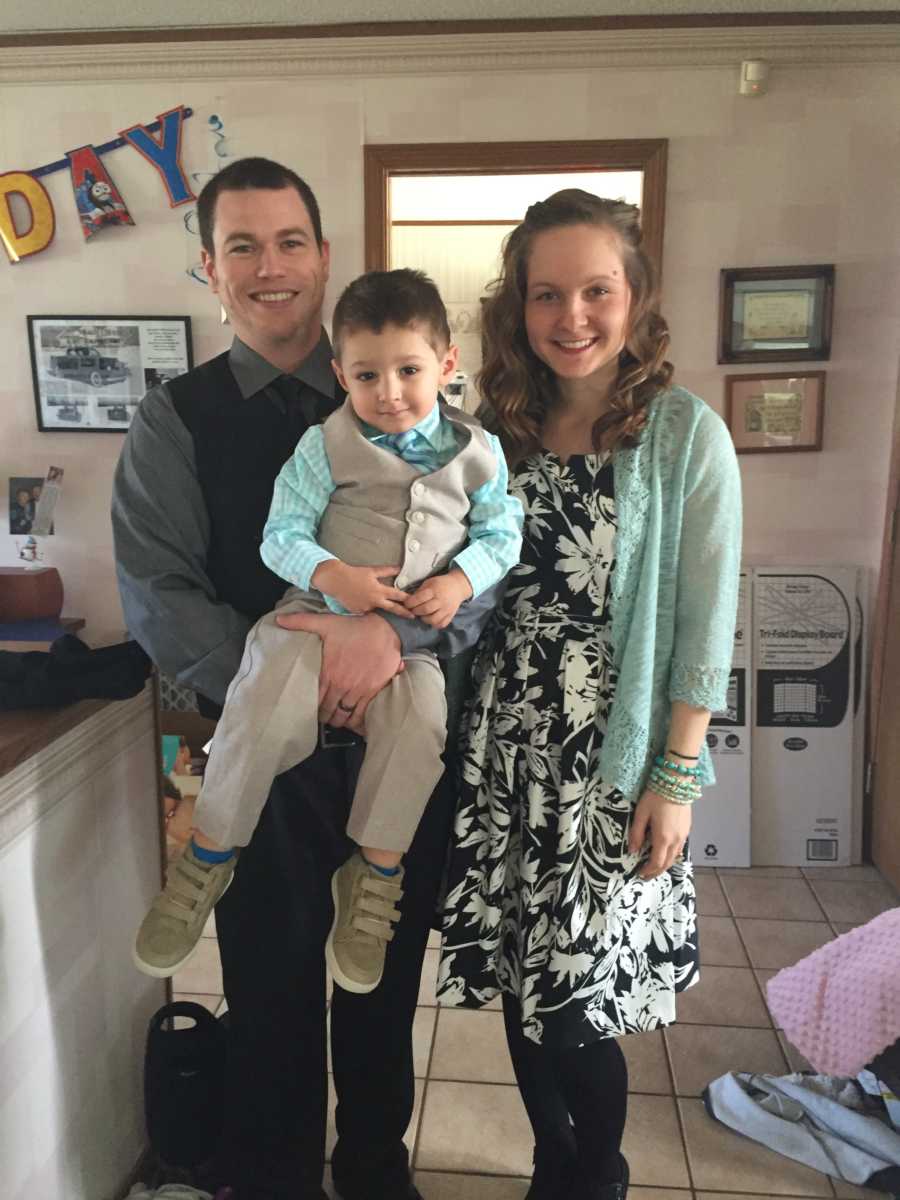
(397, 502)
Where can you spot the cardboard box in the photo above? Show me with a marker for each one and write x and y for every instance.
(721, 828)
(805, 623)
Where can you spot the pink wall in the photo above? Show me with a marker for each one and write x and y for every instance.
(805, 174)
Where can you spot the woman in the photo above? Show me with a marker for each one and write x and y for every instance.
(569, 889)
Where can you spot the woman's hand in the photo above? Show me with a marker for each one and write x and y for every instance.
(662, 824)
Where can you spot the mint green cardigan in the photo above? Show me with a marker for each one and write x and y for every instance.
(675, 581)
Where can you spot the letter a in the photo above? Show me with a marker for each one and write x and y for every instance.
(164, 153)
(43, 221)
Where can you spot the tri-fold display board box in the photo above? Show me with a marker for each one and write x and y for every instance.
(789, 749)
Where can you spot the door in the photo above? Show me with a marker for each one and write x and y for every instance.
(886, 687)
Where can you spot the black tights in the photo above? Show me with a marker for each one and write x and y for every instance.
(575, 1098)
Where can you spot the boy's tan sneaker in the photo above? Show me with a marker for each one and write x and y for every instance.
(364, 914)
(171, 930)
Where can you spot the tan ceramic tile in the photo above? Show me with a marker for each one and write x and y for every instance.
(640, 1193)
(437, 1185)
(648, 1067)
(477, 1127)
(840, 927)
(847, 1191)
(720, 945)
(209, 929)
(223, 1007)
(434, 940)
(776, 899)
(429, 977)
(724, 996)
(720, 1158)
(782, 943)
(203, 974)
(711, 900)
(763, 975)
(854, 902)
(861, 874)
(652, 1143)
(471, 1045)
(409, 1137)
(795, 1059)
(762, 872)
(701, 1053)
(704, 871)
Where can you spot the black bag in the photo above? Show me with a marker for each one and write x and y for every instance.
(184, 1083)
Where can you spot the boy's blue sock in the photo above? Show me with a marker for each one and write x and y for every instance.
(210, 856)
(389, 871)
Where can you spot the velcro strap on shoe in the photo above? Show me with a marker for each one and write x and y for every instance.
(375, 909)
(184, 889)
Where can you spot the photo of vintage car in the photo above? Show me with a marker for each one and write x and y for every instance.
(87, 363)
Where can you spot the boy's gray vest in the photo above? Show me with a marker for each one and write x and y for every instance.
(384, 511)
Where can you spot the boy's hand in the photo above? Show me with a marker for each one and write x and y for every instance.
(360, 589)
(436, 600)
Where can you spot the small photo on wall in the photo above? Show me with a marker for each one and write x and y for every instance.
(24, 494)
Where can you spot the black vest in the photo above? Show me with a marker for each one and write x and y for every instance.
(239, 446)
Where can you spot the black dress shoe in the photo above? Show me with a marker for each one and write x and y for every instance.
(553, 1179)
(606, 1191)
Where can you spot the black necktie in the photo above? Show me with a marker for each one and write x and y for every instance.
(296, 401)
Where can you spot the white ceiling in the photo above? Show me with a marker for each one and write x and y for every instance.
(25, 16)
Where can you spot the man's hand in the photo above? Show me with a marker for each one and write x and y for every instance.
(436, 600)
(360, 655)
(665, 825)
(360, 589)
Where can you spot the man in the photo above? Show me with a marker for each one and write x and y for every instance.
(191, 496)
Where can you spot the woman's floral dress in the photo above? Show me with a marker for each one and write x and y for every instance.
(543, 900)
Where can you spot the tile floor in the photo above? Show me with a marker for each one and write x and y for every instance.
(469, 1138)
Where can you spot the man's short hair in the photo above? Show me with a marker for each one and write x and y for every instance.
(243, 175)
(403, 297)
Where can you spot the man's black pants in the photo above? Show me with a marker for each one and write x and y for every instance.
(272, 924)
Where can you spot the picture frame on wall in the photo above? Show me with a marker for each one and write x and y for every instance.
(773, 412)
(775, 314)
(91, 372)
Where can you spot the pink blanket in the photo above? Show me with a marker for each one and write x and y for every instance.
(840, 1006)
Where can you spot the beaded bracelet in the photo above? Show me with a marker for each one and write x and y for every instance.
(678, 754)
(693, 772)
(661, 784)
(679, 791)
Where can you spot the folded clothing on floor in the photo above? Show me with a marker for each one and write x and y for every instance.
(826, 1122)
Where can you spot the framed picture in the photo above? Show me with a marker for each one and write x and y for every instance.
(775, 314)
(90, 373)
(775, 413)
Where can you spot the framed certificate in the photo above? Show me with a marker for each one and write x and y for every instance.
(775, 314)
(774, 412)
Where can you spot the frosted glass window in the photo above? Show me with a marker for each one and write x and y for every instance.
(498, 197)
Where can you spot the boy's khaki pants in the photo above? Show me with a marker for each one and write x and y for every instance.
(270, 724)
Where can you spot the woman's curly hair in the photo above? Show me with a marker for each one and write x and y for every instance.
(516, 385)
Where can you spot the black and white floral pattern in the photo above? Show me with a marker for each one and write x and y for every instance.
(543, 899)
